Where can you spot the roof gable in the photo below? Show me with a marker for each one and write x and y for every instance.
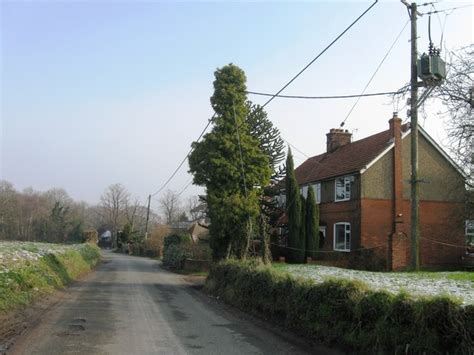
(348, 159)
(357, 157)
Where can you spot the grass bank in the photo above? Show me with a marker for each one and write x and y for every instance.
(29, 270)
(346, 313)
(455, 284)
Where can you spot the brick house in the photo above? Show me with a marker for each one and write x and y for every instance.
(363, 192)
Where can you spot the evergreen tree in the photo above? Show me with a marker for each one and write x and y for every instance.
(296, 241)
(217, 163)
(268, 136)
(312, 224)
(272, 145)
(303, 225)
(265, 252)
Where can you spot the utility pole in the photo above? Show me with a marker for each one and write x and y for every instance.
(147, 217)
(415, 215)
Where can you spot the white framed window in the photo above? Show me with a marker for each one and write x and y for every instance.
(343, 188)
(342, 236)
(470, 232)
(317, 192)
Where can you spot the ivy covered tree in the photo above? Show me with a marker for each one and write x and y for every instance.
(228, 162)
(296, 239)
(312, 224)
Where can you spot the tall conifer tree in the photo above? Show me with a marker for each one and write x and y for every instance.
(230, 165)
(296, 241)
(312, 224)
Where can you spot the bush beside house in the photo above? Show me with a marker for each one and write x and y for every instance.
(179, 250)
(345, 312)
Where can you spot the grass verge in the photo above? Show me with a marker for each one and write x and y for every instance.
(22, 281)
(346, 313)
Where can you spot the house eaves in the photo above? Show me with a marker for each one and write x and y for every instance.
(430, 140)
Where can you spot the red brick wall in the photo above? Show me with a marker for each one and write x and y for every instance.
(334, 212)
(440, 222)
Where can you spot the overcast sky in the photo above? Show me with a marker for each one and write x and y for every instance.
(99, 92)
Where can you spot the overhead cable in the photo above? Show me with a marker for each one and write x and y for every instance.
(320, 54)
(447, 10)
(375, 73)
(324, 97)
(185, 158)
(273, 96)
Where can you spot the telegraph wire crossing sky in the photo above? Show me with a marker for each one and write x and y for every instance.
(98, 93)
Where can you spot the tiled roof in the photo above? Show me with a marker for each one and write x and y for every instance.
(347, 159)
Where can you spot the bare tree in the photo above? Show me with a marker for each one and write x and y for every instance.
(456, 95)
(131, 213)
(8, 210)
(58, 195)
(171, 206)
(196, 208)
(114, 201)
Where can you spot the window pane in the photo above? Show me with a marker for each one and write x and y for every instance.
(469, 227)
(340, 189)
(304, 191)
(348, 237)
(317, 192)
(340, 236)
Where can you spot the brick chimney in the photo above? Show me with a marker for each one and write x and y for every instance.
(399, 243)
(396, 134)
(337, 137)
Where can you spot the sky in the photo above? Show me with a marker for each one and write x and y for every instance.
(101, 92)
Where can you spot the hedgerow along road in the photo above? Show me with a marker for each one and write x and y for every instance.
(130, 305)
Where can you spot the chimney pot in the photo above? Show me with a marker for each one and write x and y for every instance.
(395, 124)
(336, 138)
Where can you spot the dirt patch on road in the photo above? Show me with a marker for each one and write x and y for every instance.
(15, 323)
(195, 281)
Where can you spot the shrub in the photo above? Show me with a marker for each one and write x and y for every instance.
(153, 246)
(197, 251)
(346, 312)
(174, 251)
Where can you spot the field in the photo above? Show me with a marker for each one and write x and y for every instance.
(455, 284)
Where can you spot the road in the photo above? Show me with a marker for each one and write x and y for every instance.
(129, 305)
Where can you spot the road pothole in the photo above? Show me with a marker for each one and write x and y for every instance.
(76, 327)
(79, 320)
(67, 334)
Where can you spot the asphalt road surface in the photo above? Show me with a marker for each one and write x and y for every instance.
(129, 305)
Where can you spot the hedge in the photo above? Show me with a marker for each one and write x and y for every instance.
(345, 312)
(22, 284)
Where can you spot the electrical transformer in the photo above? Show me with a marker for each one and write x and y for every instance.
(431, 69)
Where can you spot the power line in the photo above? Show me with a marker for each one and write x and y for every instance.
(320, 54)
(184, 160)
(446, 10)
(266, 103)
(324, 97)
(299, 151)
(375, 73)
(186, 187)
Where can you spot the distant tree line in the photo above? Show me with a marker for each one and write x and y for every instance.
(53, 216)
(50, 216)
